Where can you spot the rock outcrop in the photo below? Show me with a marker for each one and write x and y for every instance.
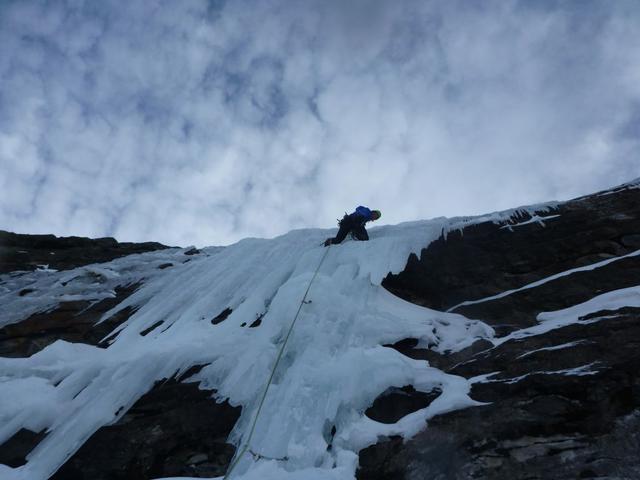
(539, 422)
(174, 430)
(28, 252)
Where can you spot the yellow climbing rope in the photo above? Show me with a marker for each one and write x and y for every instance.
(243, 450)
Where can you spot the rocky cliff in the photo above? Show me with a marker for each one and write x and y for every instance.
(538, 423)
(558, 404)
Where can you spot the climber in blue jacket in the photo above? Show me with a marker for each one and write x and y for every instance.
(354, 223)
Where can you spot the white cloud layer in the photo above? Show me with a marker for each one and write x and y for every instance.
(205, 122)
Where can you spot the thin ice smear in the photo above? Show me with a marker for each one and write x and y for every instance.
(548, 279)
(610, 301)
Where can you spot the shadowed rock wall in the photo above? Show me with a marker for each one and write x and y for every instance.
(26, 252)
(539, 423)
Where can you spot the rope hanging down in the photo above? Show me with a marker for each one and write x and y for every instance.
(243, 450)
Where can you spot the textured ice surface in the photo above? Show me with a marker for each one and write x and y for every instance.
(333, 368)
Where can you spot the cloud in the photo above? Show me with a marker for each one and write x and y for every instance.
(205, 122)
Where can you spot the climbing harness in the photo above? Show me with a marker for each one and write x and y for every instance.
(244, 449)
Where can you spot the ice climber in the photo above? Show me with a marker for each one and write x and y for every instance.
(354, 223)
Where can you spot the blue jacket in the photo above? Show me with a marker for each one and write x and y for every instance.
(363, 212)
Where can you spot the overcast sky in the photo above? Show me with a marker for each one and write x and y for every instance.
(195, 122)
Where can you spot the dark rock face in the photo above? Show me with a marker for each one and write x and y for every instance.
(15, 450)
(71, 321)
(221, 317)
(395, 403)
(541, 421)
(174, 430)
(487, 259)
(26, 252)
